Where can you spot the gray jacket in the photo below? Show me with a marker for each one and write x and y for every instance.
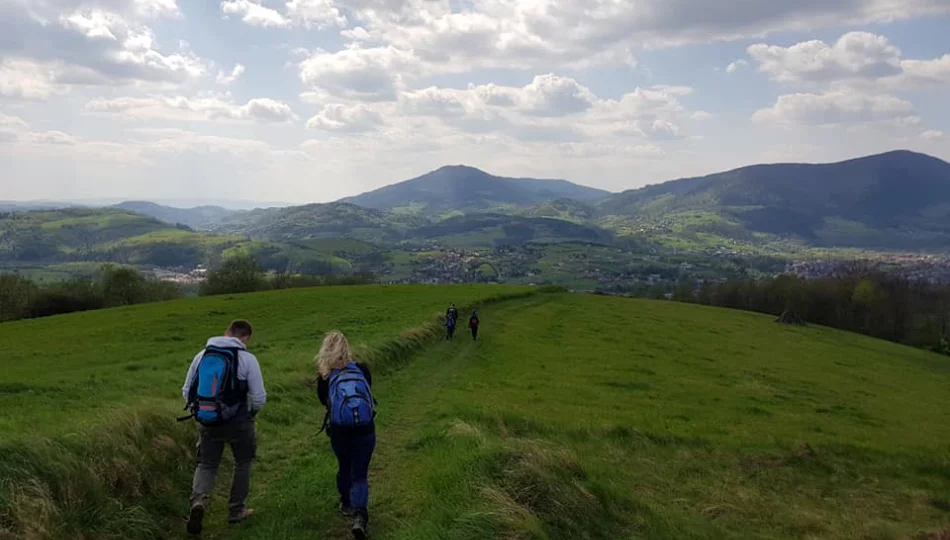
(248, 370)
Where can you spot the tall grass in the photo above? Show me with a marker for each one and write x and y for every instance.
(113, 483)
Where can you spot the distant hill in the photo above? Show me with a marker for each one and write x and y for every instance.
(199, 217)
(333, 220)
(895, 200)
(467, 189)
(26, 206)
(498, 229)
(70, 233)
(565, 209)
(98, 235)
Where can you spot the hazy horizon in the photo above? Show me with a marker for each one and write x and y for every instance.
(247, 204)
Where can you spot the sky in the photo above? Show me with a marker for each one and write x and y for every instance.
(313, 100)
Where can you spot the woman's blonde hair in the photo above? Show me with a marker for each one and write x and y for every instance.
(334, 353)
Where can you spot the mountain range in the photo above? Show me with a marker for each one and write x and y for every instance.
(894, 201)
(897, 200)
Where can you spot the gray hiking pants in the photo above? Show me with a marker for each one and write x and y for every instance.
(212, 440)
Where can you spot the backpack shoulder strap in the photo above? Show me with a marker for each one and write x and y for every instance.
(235, 365)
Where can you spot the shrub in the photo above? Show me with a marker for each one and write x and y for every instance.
(238, 274)
(17, 294)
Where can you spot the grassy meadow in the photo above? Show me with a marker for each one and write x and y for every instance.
(572, 417)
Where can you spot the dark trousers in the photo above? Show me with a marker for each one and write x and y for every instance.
(211, 442)
(449, 332)
(474, 332)
(353, 455)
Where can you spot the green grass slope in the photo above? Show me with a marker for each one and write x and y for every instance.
(573, 417)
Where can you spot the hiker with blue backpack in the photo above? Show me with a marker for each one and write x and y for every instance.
(451, 320)
(343, 387)
(450, 324)
(224, 391)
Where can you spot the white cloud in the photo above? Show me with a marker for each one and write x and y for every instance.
(546, 95)
(92, 43)
(434, 101)
(555, 108)
(342, 118)
(459, 36)
(837, 108)
(935, 72)
(737, 65)
(11, 127)
(50, 137)
(315, 13)
(253, 13)
(230, 78)
(933, 135)
(854, 55)
(26, 80)
(356, 73)
(261, 110)
(551, 95)
(266, 110)
(307, 13)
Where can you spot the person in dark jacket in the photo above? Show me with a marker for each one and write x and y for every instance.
(353, 443)
(473, 324)
(449, 328)
(452, 312)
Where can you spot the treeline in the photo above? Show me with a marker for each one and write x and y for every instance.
(243, 274)
(113, 286)
(23, 298)
(878, 304)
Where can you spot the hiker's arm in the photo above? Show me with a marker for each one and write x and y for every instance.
(323, 390)
(186, 388)
(255, 384)
(365, 369)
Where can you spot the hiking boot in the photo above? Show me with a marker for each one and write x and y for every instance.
(347, 511)
(241, 516)
(195, 517)
(359, 527)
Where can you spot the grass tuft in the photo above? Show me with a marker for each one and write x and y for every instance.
(114, 483)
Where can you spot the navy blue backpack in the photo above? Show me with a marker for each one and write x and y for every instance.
(215, 394)
(351, 402)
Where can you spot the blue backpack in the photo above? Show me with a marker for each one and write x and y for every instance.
(216, 394)
(351, 402)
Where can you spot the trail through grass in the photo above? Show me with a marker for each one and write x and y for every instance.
(572, 417)
(71, 383)
(588, 417)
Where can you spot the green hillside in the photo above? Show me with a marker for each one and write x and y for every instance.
(199, 217)
(70, 242)
(574, 417)
(334, 220)
(896, 200)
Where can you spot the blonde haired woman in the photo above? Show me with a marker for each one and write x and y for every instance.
(343, 387)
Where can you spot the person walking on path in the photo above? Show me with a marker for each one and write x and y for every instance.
(224, 390)
(452, 312)
(473, 324)
(450, 323)
(343, 387)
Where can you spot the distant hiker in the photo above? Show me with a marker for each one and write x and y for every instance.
(343, 387)
(221, 380)
(450, 328)
(473, 324)
(452, 313)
